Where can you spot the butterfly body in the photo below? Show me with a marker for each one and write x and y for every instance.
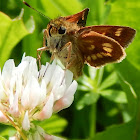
(63, 45)
(73, 44)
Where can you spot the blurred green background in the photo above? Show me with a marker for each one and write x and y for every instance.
(107, 102)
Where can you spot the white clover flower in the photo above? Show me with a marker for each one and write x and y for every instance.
(27, 94)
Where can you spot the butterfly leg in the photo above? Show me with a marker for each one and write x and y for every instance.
(52, 58)
(69, 45)
(40, 50)
(71, 60)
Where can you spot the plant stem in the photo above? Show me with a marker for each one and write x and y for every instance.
(137, 130)
(92, 119)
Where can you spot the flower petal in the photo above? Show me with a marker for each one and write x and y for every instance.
(71, 89)
(68, 78)
(31, 69)
(51, 137)
(30, 97)
(47, 136)
(49, 72)
(2, 92)
(7, 72)
(36, 136)
(58, 76)
(47, 109)
(26, 122)
(59, 92)
(14, 110)
(67, 99)
(43, 70)
(41, 131)
(43, 92)
(13, 138)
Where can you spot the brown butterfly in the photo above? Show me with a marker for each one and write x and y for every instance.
(74, 45)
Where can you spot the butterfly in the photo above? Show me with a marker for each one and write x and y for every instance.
(75, 45)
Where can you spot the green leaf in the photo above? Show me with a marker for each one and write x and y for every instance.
(54, 125)
(55, 8)
(87, 99)
(130, 74)
(30, 24)
(11, 32)
(118, 132)
(85, 83)
(99, 11)
(127, 83)
(2, 138)
(6, 130)
(114, 95)
(109, 81)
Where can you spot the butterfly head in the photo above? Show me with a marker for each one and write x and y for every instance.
(58, 29)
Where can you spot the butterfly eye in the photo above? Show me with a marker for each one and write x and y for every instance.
(50, 30)
(61, 30)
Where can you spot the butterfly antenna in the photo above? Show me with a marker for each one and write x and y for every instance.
(35, 10)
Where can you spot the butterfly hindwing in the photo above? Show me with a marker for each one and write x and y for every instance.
(98, 49)
(122, 34)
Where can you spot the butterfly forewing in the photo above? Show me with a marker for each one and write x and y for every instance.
(122, 34)
(79, 18)
(98, 49)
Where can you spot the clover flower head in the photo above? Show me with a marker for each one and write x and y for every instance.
(27, 94)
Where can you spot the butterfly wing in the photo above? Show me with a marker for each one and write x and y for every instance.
(122, 34)
(99, 49)
(79, 18)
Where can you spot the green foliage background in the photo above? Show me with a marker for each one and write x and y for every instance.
(107, 102)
